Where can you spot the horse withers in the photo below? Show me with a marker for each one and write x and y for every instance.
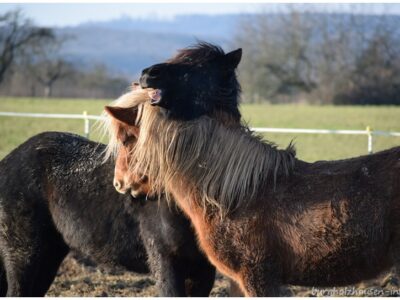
(57, 195)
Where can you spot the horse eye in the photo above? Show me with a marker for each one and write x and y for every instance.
(154, 72)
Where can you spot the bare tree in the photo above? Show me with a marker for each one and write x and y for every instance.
(48, 72)
(375, 78)
(17, 34)
(320, 57)
(278, 62)
(47, 65)
(293, 67)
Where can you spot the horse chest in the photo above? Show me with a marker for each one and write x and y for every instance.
(216, 252)
(210, 241)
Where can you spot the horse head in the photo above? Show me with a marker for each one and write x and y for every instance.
(126, 132)
(198, 81)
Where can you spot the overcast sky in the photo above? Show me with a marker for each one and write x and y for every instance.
(73, 14)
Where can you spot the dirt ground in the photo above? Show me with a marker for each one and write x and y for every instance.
(79, 277)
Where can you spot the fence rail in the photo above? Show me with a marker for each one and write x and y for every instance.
(86, 118)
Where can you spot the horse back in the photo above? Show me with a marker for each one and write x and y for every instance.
(337, 220)
(64, 174)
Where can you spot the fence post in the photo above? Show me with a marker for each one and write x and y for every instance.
(369, 133)
(87, 124)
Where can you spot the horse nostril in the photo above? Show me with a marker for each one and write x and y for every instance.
(144, 179)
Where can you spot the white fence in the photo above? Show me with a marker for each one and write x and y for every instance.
(87, 118)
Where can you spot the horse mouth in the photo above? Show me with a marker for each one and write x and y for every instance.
(137, 194)
(142, 198)
(155, 97)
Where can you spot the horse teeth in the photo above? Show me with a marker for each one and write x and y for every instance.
(155, 95)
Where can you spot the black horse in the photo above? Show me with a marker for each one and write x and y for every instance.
(56, 195)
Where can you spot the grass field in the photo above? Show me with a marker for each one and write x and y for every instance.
(14, 131)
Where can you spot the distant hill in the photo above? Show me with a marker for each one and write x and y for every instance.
(128, 45)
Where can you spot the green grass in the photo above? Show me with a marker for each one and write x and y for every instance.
(313, 147)
(310, 147)
(15, 130)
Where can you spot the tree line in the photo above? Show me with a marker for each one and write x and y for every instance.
(293, 56)
(31, 64)
(320, 58)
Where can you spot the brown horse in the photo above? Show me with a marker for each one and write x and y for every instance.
(263, 217)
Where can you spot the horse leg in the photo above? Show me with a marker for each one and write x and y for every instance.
(256, 282)
(162, 268)
(397, 263)
(170, 281)
(234, 289)
(395, 248)
(201, 278)
(21, 271)
(32, 265)
(18, 250)
(3, 281)
(26, 248)
(50, 261)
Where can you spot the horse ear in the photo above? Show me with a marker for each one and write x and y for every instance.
(232, 59)
(124, 115)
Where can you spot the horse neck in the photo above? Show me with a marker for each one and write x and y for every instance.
(230, 166)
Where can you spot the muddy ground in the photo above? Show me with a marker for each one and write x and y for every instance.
(80, 277)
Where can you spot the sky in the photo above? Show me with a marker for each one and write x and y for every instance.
(62, 14)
